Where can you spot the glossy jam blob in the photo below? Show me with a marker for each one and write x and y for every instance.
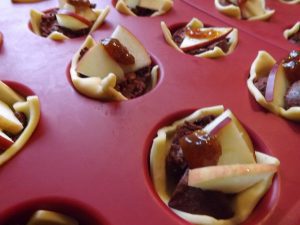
(200, 149)
(200, 34)
(118, 51)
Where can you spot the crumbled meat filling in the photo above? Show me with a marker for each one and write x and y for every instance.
(179, 35)
(197, 201)
(49, 24)
(140, 11)
(232, 2)
(292, 97)
(261, 84)
(80, 3)
(136, 83)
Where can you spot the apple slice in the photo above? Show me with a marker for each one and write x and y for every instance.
(151, 4)
(96, 62)
(5, 141)
(206, 36)
(234, 140)
(46, 217)
(229, 178)
(135, 48)
(277, 85)
(8, 120)
(222, 123)
(71, 20)
(132, 3)
(88, 14)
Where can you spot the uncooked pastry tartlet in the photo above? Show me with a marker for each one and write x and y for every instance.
(19, 117)
(144, 7)
(205, 168)
(244, 9)
(293, 34)
(115, 69)
(196, 39)
(290, 1)
(73, 18)
(276, 85)
(43, 217)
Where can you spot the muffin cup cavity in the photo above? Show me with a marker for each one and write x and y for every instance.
(75, 211)
(145, 8)
(97, 74)
(63, 23)
(292, 34)
(213, 42)
(19, 111)
(247, 10)
(244, 202)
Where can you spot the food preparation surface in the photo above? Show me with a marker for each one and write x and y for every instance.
(90, 158)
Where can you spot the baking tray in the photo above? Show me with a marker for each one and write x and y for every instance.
(89, 159)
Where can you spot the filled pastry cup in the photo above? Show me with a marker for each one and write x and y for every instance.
(293, 34)
(19, 117)
(290, 1)
(67, 21)
(274, 99)
(237, 154)
(207, 47)
(97, 74)
(144, 7)
(247, 9)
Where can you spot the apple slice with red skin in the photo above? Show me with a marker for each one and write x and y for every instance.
(134, 47)
(229, 178)
(191, 43)
(277, 85)
(224, 121)
(233, 138)
(5, 141)
(69, 19)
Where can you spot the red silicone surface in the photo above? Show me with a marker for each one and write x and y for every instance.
(89, 159)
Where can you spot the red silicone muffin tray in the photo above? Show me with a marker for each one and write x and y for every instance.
(89, 159)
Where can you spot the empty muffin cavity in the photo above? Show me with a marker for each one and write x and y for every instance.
(54, 211)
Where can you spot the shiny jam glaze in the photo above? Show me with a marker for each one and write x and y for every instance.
(200, 34)
(200, 149)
